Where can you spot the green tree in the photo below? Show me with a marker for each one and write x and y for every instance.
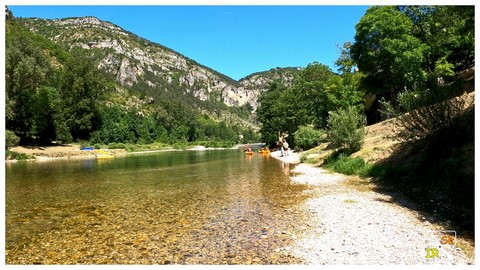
(26, 70)
(82, 89)
(345, 63)
(310, 93)
(307, 137)
(317, 90)
(346, 129)
(116, 126)
(48, 118)
(271, 111)
(448, 31)
(11, 139)
(387, 52)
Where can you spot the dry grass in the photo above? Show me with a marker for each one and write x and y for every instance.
(379, 144)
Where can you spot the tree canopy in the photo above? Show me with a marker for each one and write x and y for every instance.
(410, 47)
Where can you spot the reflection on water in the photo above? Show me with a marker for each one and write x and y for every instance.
(205, 207)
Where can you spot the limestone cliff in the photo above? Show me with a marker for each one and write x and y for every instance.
(136, 62)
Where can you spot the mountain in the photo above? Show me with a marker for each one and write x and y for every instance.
(150, 68)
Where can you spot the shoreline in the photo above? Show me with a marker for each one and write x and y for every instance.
(73, 151)
(352, 224)
(292, 157)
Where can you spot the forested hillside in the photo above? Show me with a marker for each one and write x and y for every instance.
(143, 93)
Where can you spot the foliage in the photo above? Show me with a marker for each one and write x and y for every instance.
(412, 48)
(271, 111)
(26, 70)
(342, 163)
(307, 137)
(315, 91)
(406, 100)
(116, 146)
(435, 125)
(81, 88)
(11, 139)
(448, 31)
(387, 53)
(16, 156)
(345, 62)
(346, 129)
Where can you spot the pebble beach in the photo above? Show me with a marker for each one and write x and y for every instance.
(350, 226)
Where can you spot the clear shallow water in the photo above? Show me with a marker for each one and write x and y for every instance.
(191, 207)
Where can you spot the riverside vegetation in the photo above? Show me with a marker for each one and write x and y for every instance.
(414, 63)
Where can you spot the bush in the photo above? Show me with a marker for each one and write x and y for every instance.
(342, 163)
(10, 155)
(11, 139)
(116, 146)
(439, 125)
(346, 129)
(307, 137)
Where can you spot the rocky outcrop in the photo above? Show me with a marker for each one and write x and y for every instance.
(129, 58)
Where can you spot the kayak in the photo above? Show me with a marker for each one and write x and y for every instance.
(264, 151)
(104, 154)
(248, 153)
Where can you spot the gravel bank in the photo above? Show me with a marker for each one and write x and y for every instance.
(291, 158)
(348, 226)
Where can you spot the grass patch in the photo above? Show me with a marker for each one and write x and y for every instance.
(146, 147)
(131, 147)
(342, 163)
(11, 155)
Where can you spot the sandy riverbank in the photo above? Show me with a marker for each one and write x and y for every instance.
(70, 151)
(73, 151)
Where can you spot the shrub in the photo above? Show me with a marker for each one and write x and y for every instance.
(11, 139)
(116, 146)
(438, 125)
(10, 155)
(345, 129)
(345, 164)
(307, 137)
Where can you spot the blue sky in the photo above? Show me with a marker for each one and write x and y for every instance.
(234, 40)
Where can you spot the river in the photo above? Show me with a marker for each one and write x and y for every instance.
(186, 207)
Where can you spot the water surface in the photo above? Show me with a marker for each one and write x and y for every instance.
(190, 207)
